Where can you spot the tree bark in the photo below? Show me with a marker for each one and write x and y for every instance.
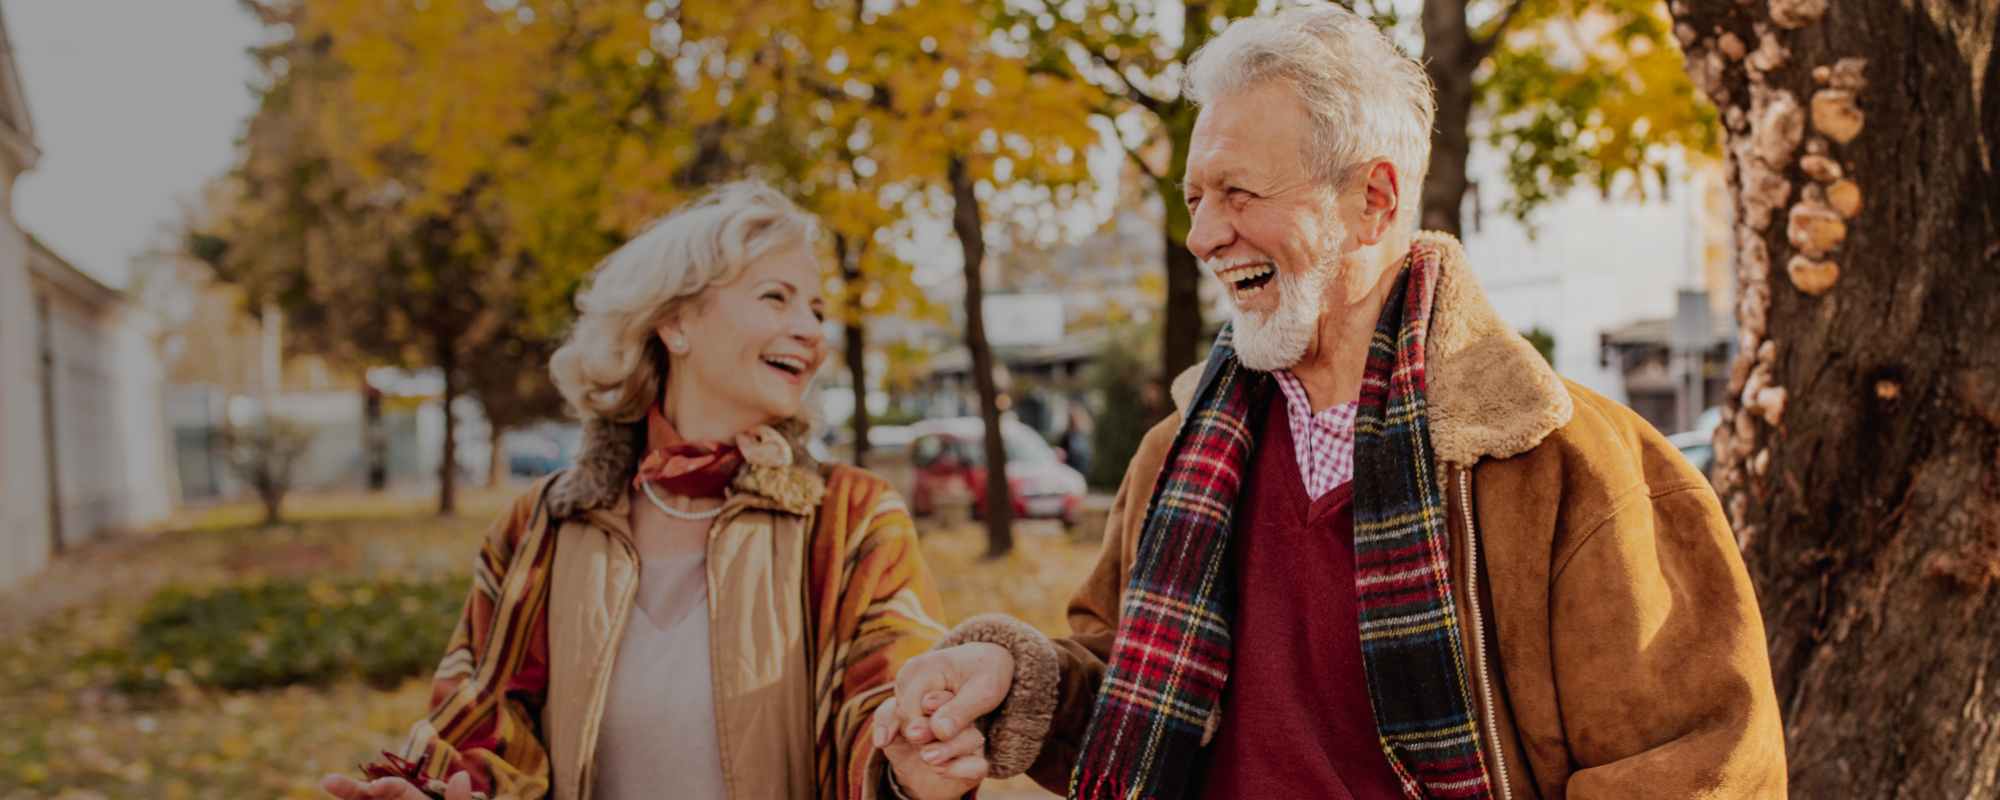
(857, 371)
(1181, 324)
(374, 441)
(1181, 328)
(1860, 461)
(1180, 342)
(274, 505)
(855, 339)
(448, 462)
(1450, 56)
(966, 221)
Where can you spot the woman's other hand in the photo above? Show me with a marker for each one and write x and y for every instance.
(934, 770)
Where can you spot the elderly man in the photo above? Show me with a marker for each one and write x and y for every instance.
(1382, 550)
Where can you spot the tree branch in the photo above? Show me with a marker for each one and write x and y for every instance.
(1482, 46)
(1131, 91)
(1133, 153)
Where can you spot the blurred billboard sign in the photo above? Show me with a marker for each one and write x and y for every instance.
(1023, 319)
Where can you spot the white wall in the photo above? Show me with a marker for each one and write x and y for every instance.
(150, 476)
(1595, 264)
(111, 443)
(24, 522)
(90, 478)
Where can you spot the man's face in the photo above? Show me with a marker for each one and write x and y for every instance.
(1263, 222)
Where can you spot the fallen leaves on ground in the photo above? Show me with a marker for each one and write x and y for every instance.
(65, 732)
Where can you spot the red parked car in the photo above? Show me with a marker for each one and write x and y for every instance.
(949, 457)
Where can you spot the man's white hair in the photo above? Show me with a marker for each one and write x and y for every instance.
(1366, 98)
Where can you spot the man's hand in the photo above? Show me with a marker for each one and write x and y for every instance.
(346, 788)
(940, 693)
(934, 771)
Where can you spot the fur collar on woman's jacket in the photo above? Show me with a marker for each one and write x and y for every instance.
(784, 478)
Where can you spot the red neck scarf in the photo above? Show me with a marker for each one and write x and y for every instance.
(681, 467)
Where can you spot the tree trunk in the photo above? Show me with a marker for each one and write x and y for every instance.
(855, 339)
(1450, 56)
(857, 371)
(1180, 341)
(496, 458)
(1181, 329)
(448, 462)
(1861, 461)
(966, 222)
(274, 507)
(374, 440)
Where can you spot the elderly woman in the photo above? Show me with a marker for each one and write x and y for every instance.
(696, 609)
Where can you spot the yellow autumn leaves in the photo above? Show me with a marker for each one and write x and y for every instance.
(68, 731)
(577, 121)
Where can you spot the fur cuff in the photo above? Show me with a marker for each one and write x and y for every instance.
(1015, 731)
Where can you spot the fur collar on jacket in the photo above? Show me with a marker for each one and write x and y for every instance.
(1491, 395)
(610, 455)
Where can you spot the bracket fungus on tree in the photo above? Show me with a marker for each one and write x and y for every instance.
(1820, 168)
(1811, 276)
(1732, 46)
(1835, 114)
(1795, 14)
(1769, 55)
(1815, 229)
(1845, 198)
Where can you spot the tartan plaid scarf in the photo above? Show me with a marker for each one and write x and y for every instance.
(1171, 658)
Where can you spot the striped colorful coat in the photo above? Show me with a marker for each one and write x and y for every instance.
(519, 695)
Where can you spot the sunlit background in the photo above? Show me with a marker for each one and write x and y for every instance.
(297, 242)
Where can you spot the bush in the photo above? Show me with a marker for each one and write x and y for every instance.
(1123, 369)
(264, 455)
(281, 633)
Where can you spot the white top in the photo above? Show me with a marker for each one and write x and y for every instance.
(658, 736)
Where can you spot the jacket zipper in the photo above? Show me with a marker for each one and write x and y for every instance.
(1479, 632)
(607, 656)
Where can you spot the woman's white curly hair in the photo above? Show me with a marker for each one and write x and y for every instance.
(613, 365)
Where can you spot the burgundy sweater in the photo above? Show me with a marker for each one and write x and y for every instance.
(1296, 721)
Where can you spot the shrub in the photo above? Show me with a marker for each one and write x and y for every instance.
(264, 455)
(1120, 378)
(280, 633)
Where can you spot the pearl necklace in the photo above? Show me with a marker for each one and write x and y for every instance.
(691, 516)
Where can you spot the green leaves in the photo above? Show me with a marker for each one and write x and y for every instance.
(1589, 92)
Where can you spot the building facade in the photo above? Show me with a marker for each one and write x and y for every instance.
(83, 447)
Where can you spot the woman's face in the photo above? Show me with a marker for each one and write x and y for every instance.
(752, 345)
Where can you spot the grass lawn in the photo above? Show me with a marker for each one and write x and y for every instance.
(67, 731)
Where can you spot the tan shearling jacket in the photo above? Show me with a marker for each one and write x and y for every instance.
(1617, 650)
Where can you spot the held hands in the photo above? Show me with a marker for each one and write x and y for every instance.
(926, 730)
(346, 788)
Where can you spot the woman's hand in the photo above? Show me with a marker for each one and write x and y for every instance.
(934, 770)
(968, 681)
(346, 788)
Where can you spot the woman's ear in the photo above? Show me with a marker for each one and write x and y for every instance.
(673, 333)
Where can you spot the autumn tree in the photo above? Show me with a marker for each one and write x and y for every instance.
(1571, 91)
(323, 223)
(577, 122)
(511, 382)
(1860, 459)
(903, 110)
(964, 118)
(1131, 52)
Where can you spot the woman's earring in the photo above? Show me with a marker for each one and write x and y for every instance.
(678, 345)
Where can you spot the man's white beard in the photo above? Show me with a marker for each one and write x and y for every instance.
(1279, 339)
